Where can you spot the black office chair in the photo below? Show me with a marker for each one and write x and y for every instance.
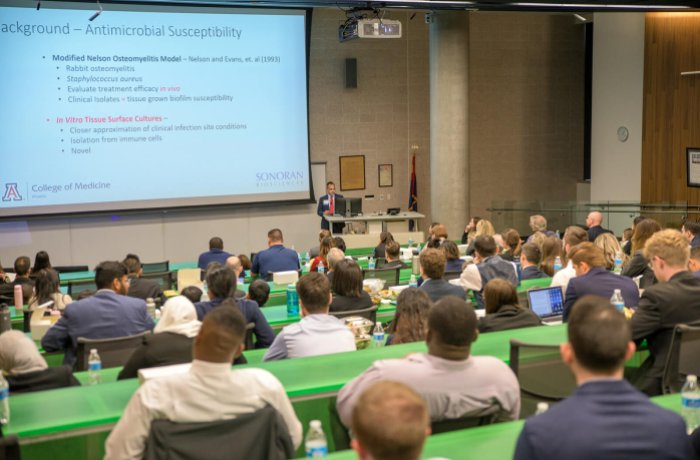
(542, 375)
(9, 447)
(165, 279)
(156, 267)
(682, 358)
(260, 434)
(249, 344)
(113, 352)
(370, 313)
(454, 424)
(76, 287)
(71, 268)
(389, 275)
(452, 275)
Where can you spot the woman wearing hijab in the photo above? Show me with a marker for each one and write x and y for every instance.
(25, 369)
(171, 341)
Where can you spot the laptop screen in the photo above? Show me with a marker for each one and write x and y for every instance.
(546, 302)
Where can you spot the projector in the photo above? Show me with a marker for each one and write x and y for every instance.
(369, 28)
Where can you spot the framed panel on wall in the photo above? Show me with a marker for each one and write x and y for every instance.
(693, 166)
(352, 172)
(386, 175)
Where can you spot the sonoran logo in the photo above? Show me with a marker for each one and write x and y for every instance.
(278, 178)
(11, 192)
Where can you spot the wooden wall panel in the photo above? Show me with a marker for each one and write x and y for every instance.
(671, 106)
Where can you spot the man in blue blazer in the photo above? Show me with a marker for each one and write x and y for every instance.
(432, 270)
(592, 278)
(605, 417)
(326, 207)
(107, 314)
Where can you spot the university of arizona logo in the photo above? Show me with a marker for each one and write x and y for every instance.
(11, 192)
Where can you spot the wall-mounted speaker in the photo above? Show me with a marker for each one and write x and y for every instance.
(351, 73)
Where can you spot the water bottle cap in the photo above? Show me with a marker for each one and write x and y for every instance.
(315, 424)
(542, 406)
(93, 350)
(692, 378)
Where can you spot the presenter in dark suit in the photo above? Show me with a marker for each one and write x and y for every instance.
(326, 207)
(674, 300)
(592, 278)
(605, 417)
(107, 314)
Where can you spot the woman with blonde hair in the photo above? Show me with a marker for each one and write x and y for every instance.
(611, 247)
(483, 228)
(326, 245)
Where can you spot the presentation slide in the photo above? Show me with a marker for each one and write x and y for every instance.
(150, 107)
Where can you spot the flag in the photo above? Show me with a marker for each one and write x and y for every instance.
(413, 194)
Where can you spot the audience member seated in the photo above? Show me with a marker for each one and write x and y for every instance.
(574, 235)
(694, 261)
(594, 222)
(21, 279)
(503, 310)
(551, 248)
(411, 319)
(593, 278)
(625, 240)
(317, 333)
(259, 292)
(25, 368)
(139, 287)
(452, 261)
(339, 243)
(41, 262)
(538, 224)
(347, 289)
(221, 283)
(674, 300)
(453, 383)
(316, 250)
(483, 228)
(322, 258)
(513, 245)
(171, 341)
(335, 255)
(210, 391)
(605, 417)
(392, 256)
(47, 289)
(432, 270)
(488, 265)
(608, 243)
(107, 314)
(638, 264)
(276, 258)
(245, 262)
(530, 259)
(215, 253)
(380, 249)
(470, 230)
(627, 247)
(234, 263)
(437, 236)
(390, 422)
(193, 293)
(3, 276)
(691, 230)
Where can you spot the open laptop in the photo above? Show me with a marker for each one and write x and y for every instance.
(547, 303)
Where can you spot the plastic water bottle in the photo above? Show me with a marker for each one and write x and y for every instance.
(18, 297)
(413, 282)
(315, 444)
(370, 263)
(690, 403)
(5, 319)
(321, 268)
(94, 368)
(151, 307)
(205, 292)
(618, 262)
(542, 407)
(378, 335)
(557, 263)
(617, 300)
(4, 401)
(292, 301)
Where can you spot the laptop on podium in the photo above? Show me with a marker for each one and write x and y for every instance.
(547, 303)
